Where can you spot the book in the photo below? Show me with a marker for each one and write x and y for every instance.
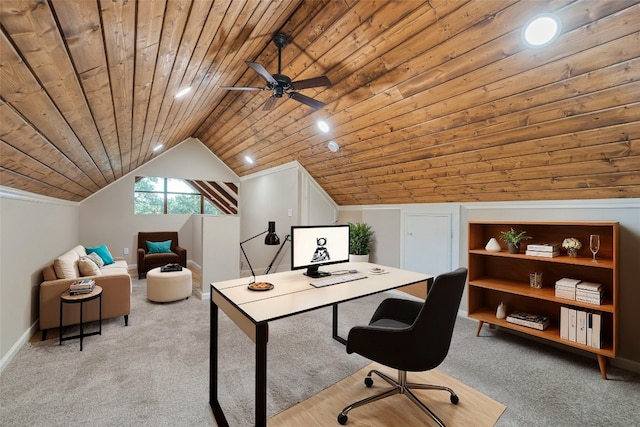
(567, 282)
(590, 329)
(534, 321)
(565, 293)
(544, 247)
(530, 252)
(588, 286)
(83, 283)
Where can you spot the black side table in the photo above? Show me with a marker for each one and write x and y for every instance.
(67, 298)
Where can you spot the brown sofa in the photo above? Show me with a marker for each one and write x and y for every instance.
(147, 261)
(113, 278)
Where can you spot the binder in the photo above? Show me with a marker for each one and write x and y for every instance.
(581, 327)
(564, 323)
(572, 324)
(596, 338)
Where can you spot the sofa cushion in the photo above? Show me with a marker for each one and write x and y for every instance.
(103, 252)
(88, 267)
(159, 247)
(96, 258)
(66, 265)
(80, 250)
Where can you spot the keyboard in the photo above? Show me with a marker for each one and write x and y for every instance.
(334, 280)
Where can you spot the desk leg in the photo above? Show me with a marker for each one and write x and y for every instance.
(213, 368)
(334, 327)
(262, 334)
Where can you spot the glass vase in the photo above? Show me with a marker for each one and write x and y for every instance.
(572, 252)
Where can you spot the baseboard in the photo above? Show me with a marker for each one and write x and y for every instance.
(13, 351)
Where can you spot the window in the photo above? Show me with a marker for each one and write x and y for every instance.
(157, 195)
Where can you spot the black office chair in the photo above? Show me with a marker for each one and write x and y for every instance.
(410, 336)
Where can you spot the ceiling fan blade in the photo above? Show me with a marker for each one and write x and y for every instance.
(262, 71)
(270, 104)
(313, 82)
(241, 88)
(306, 100)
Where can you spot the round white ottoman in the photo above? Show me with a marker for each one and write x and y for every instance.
(168, 286)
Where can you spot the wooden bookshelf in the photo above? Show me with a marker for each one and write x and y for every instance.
(496, 277)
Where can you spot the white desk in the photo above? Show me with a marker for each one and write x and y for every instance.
(252, 311)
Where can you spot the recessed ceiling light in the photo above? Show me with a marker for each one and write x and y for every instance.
(158, 147)
(333, 146)
(183, 92)
(248, 160)
(541, 30)
(323, 126)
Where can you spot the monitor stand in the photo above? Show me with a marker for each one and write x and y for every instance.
(315, 273)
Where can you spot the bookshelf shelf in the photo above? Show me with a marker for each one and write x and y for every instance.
(496, 277)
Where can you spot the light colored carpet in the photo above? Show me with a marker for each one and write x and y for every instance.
(473, 409)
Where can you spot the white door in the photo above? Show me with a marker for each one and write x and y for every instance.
(427, 243)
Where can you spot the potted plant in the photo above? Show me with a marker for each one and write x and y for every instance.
(360, 238)
(513, 238)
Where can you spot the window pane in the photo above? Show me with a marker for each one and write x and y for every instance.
(183, 204)
(149, 183)
(148, 203)
(210, 209)
(175, 185)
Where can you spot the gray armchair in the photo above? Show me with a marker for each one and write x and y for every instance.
(410, 336)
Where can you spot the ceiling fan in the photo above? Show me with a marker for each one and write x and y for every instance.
(282, 85)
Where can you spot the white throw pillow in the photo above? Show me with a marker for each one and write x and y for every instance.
(87, 267)
(96, 258)
(66, 265)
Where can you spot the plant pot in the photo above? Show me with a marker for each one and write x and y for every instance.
(513, 248)
(358, 258)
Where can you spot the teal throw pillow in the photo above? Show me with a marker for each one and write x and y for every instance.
(159, 247)
(102, 252)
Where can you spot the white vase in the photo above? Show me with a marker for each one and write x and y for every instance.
(501, 312)
(358, 258)
(493, 245)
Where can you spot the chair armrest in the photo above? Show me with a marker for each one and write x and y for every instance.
(402, 310)
(182, 253)
(141, 254)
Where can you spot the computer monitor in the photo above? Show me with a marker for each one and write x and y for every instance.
(315, 246)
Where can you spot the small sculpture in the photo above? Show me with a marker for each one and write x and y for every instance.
(501, 312)
(493, 245)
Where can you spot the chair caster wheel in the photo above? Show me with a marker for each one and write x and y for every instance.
(368, 381)
(454, 399)
(342, 419)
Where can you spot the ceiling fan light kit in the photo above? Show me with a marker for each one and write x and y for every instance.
(281, 84)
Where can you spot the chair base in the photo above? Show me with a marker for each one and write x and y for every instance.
(401, 386)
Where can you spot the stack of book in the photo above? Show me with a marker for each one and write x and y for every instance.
(547, 250)
(84, 286)
(534, 321)
(566, 288)
(580, 326)
(592, 293)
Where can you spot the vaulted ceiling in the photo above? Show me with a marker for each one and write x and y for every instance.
(431, 101)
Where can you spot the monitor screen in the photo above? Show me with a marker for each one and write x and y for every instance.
(317, 245)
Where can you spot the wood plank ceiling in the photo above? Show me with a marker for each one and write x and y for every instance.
(431, 101)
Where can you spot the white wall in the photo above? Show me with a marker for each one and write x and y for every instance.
(33, 231)
(288, 196)
(107, 216)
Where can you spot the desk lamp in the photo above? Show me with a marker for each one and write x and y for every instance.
(271, 239)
